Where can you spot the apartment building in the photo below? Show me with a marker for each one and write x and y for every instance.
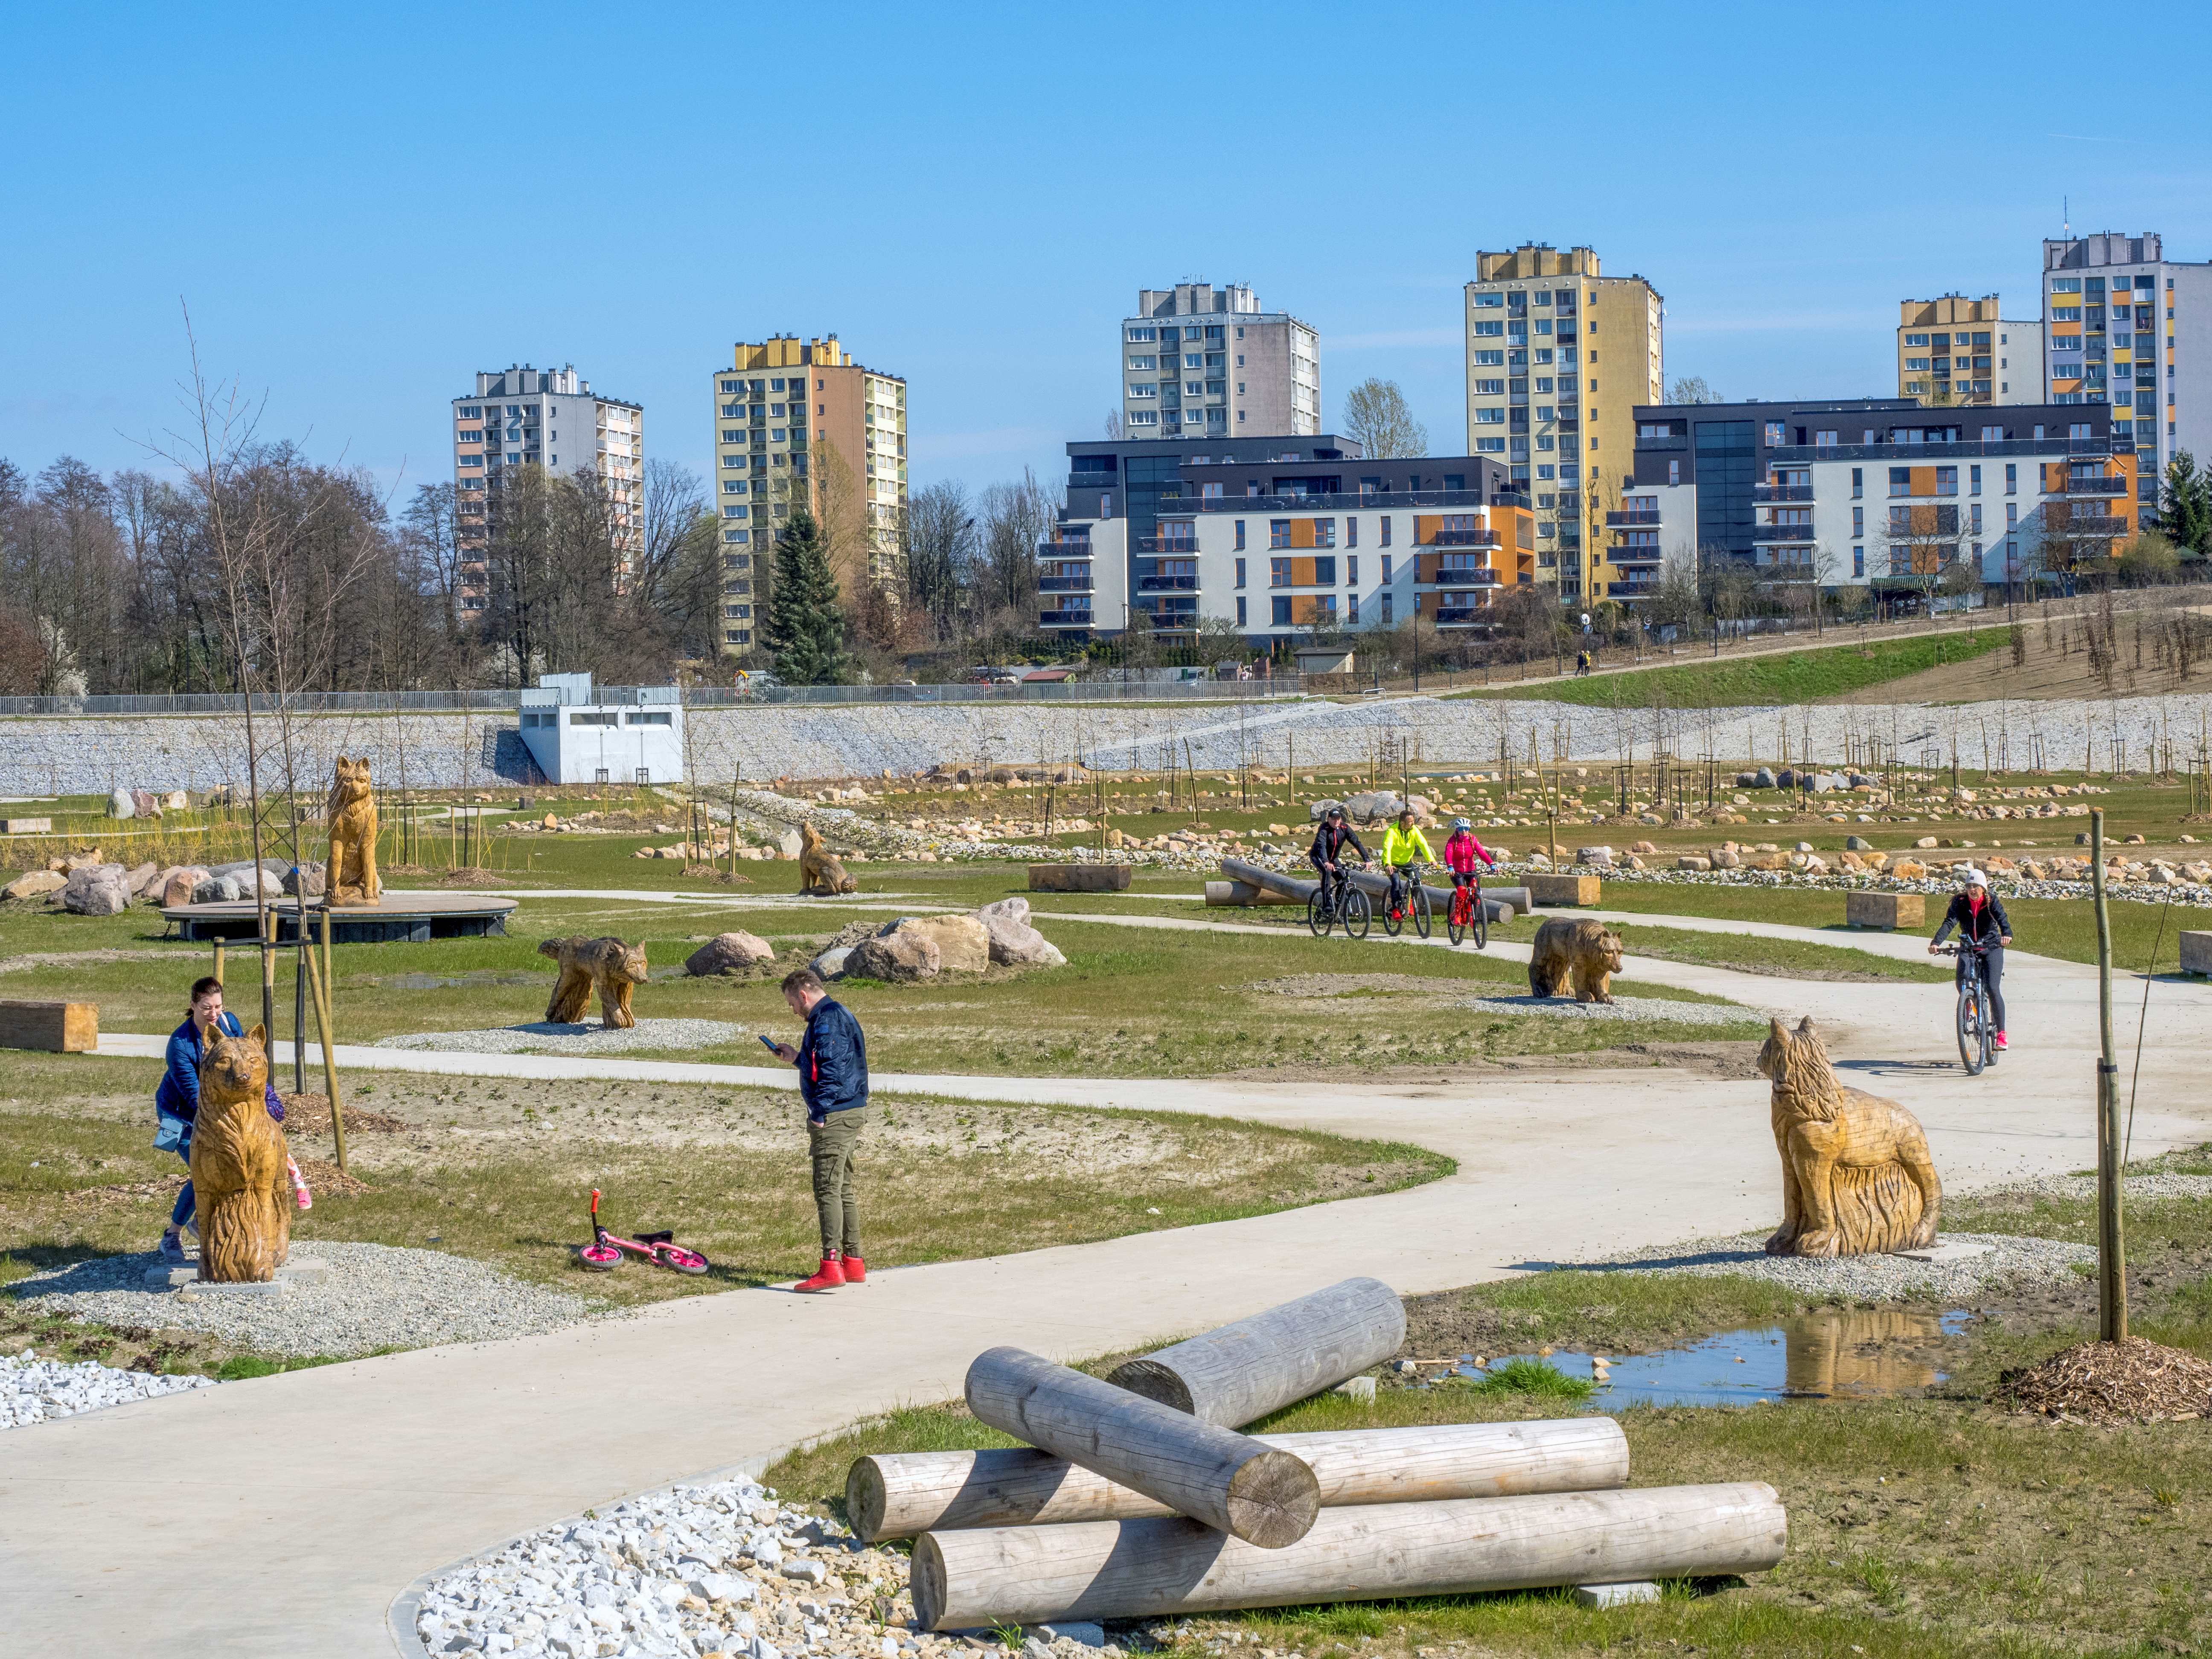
(1279, 539)
(801, 422)
(522, 417)
(1878, 493)
(1540, 401)
(1952, 351)
(1201, 361)
(2131, 329)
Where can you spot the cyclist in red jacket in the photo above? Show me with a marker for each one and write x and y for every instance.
(1462, 850)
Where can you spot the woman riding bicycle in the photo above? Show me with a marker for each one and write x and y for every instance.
(1462, 850)
(1327, 853)
(1983, 932)
(1402, 845)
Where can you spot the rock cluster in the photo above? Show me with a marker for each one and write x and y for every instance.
(32, 1389)
(729, 953)
(913, 948)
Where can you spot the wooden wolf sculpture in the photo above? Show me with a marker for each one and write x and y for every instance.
(819, 872)
(1577, 948)
(604, 964)
(238, 1179)
(1857, 1179)
(351, 811)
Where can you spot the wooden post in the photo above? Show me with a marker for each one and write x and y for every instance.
(218, 962)
(1243, 1371)
(323, 1035)
(268, 962)
(1198, 1469)
(2111, 1259)
(898, 1495)
(1141, 1569)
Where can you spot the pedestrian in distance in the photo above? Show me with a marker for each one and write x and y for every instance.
(832, 1059)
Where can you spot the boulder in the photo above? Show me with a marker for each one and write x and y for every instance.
(1371, 806)
(99, 890)
(1906, 869)
(176, 801)
(1599, 856)
(1691, 861)
(1316, 810)
(1925, 842)
(900, 957)
(311, 876)
(217, 889)
(729, 953)
(141, 879)
(830, 965)
(88, 859)
(963, 944)
(1763, 779)
(177, 883)
(34, 884)
(1014, 942)
(1748, 781)
(120, 805)
(787, 843)
(1726, 857)
(143, 805)
(1858, 843)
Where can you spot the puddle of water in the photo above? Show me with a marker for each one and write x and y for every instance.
(1833, 1353)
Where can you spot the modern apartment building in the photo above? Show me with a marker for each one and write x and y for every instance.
(1952, 351)
(1279, 537)
(546, 417)
(2128, 327)
(800, 420)
(1557, 356)
(1875, 492)
(1201, 361)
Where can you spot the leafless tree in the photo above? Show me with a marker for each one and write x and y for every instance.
(1114, 425)
(1375, 414)
(1691, 389)
(941, 543)
(1015, 517)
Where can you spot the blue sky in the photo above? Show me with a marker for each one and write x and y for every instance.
(364, 206)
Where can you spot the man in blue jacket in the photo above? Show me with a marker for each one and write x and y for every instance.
(833, 1079)
(177, 1102)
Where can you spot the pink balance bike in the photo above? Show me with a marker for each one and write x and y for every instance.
(604, 1253)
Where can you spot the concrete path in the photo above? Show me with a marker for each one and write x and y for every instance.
(281, 1516)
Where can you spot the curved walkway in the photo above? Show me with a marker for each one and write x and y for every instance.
(282, 1517)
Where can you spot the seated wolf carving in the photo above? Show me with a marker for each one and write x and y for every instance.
(240, 1183)
(820, 871)
(1856, 1178)
(606, 965)
(351, 878)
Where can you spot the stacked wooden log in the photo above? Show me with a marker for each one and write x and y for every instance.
(1136, 1497)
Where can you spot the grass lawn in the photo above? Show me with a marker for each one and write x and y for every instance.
(1796, 677)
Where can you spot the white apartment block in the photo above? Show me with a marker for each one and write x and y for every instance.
(1199, 361)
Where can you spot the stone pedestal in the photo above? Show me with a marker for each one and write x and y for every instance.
(1080, 877)
(1948, 1249)
(1615, 1595)
(1559, 891)
(1888, 910)
(2196, 952)
(185, 1276)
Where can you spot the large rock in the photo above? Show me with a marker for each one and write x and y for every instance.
(217, 889)
(963, 943)
(90, 858)
(729, 953)
(144, 805)
(120, 805)
(101, 889)
(899, 958)
(1372, 805)
(1014, 942)
(145, 876)
(35, 884)
(1320, 810)
(177, 801)
(830, 965)
(312, 875)
(176, 883)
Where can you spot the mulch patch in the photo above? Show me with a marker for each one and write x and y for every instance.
(327, 1179)
(2132, 1380)
(310, 1115)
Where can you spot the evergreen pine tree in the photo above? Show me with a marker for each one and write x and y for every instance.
(805, 626)
(2186, 505)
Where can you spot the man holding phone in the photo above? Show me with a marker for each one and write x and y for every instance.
(832, 1059)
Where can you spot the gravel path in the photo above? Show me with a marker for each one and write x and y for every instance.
(1689, 1013)
(375, 1297)
(32, 1389)
(2139, 1185)
(1863, 1278)
(542, 1037)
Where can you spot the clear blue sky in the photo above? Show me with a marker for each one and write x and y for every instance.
(364, 206)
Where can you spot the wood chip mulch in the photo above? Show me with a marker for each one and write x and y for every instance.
(326, 1180)
(310, 1115)
(2134, 1380)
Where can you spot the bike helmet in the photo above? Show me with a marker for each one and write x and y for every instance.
(1461, 823)
(1970, 876)
(1334, 812)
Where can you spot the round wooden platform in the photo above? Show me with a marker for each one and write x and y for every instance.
(412, 917)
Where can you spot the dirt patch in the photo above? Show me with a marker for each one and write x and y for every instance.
(66, 958)
(328, 1179)
(1327, 987)
(310, 1114)
(2133, 1380)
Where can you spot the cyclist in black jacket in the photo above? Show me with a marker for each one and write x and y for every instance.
(1980, 917)
(1327, 853)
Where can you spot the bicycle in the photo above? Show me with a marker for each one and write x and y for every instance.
(1978, 1031)
(1354, 911)
(1465, 913)
(1414, 905)
(604, 1253)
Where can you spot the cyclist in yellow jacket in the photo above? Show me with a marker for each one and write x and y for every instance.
(1402, 845)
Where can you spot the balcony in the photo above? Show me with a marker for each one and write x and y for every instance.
(1368, 501)
(1065, 585)
(1632, 590)
(1091, 480)
(1064, 619)
(2079, 485)
(1072, 547)
(1469, 578)
(1774, 492)
(1463, 539)
(1650, 516)
(1967, 448)
(1183, 546)
(1781, 532)
(1165, 584)
(2078, 526)
(1459, 615)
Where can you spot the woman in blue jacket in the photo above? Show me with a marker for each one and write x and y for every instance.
(177, 1102)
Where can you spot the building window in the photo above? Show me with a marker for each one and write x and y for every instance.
(1351, 571)
(1490, 446)
(2012, 479)
(1279, 608)
(1278, 533)
(1352, 610)
(1674, 472)
(1240, 572)
(1352, 534)
(1858, 562)
(1240, 536)
(1324, 573)
(1900, 481)
(1386, 539)
(1775, 435)
(1973, 481)
(1858, 481)
(1279, 572)
(1386, 609)
(1858, 521)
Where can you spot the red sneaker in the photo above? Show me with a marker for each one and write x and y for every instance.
(828, 1279)
(855, 1269)
(2000, 1040)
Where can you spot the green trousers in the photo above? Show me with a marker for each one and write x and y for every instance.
(834, 1144)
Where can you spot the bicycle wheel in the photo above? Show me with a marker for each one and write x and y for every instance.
(1419, 906)
(1988, 1022)
(1318, 918)
(1479, 920)
(1457, 914)
(1393, 916)
(1971, 1051)
(1358, 913)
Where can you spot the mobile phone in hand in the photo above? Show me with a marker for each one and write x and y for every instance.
(771, 1045)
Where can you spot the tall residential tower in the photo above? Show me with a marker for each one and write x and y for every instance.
(1953, 351)
(1201, 361)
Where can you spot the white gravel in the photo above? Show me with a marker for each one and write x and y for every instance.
(374, 1297)
(1861, 1278)
(542, 1037)
(32, 1389)
(2138, 1186)
(1688, 1013)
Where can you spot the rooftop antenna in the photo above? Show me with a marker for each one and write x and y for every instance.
(2066, 214)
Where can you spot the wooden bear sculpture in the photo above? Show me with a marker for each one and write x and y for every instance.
(604, 964)
(238, 1179)
(351, 877)
(820, 871)
(1856, 1178)
(1580, 949)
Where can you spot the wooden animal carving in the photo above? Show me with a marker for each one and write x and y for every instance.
(819, 872)
(351, 877)
(1580, 949)
(1856, 1178)
(239, 1180)
(604, 964)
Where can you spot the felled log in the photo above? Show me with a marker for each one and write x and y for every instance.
(1239, 1373)
(1143, 1569)
(897, 1495)
(1242, 893)
(1266, 1496)
(1503, 903)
